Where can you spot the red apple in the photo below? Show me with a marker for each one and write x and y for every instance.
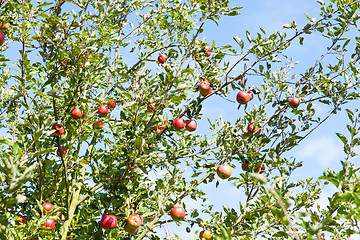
(177, 213)
(245, 166)
(207, 51)
(108, 222)
(224, 171)
(2, 37)
(204, 88)
(162, 58)
(294, 102)
(129, 229)
(63, 150)
(21, 220)
(103, 111)
(47, 207)
(76, 113)
(157, 128)
(4, 25)
(134, 220)
(260, 169)
(253, 129)
(243, 97)
(205, 234)
(98, 125)
(59, 130)
(179, 123)
(151, 145)
(191, 125)
(111, 105)
(49, 224)
(151, 108)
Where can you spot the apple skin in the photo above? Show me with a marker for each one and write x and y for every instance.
(224, 171)
(294, 102)
(49, 224)
(4, 26)
(245, 166)
(103, 111)
(64, 151)
(179, 123)
(108, 222)
(177, 213)
(205, 234)
(191, 125)
(252, 129)
(22, 219)
(59, 130)
(204, 88)
(111, 105)
(2, 37)
(98, 125)
(162, 58)
(76, 113)
(243, 97)
(251, 95)
(129, 229)
(47, 207)
(260, 169)
(134, 220)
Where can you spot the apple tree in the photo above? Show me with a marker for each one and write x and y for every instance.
(100, 101)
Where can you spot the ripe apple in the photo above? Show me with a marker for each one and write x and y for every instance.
(207, 51)
(129, 229)
(243, 97)
(2, 37)
(49, 224)
(224, 171)
(98, 125)
(47, 207)
(108, 222)
(179, 123)
(4, 25)
(111, 105)
(63, 150)
(76, 113)
(191, 125)
(205, 234)
(253, 129)
(177, 213)
(245, 166)
(159, 129)
(134, 220)
(21, 220)
(162, 58)
(260, 169)
(151, 146)
(251, 95)
(103, 111)
(59, 130)
(294, 102)
(204, 88)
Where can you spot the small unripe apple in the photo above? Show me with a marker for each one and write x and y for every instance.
(47, 207)
(76, 113)
(21, 220)
(63, 150)
(162, 58)
(129, 229)
(134, 220)
(294, 102)
(98, 125)
(179, 123)
(243, 97)
(205, 234)
(253, 129)
(177, 213)
(204, 88)
(245, 166)
(111, 105)
(260, 169)
(103, 111)
(224, 171)
(191, 125)
(59, 130)
(108, 222)
(49, 224)
(2, 37)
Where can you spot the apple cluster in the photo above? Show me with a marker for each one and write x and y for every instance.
(48, 225)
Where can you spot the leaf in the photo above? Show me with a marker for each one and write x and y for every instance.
(342, 138)
(239, 41)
